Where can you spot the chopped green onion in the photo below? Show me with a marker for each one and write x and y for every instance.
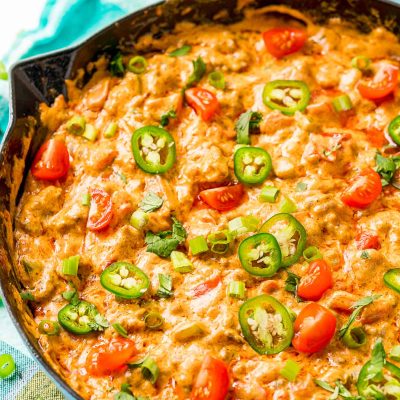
(180, 262)
(7, 365)
(70, 266)
(137, 65)
(139, 219)
(76, 125)
(198, 245)
(120, 329)
(354, 337)
(182, 51)
(269, 194)
(361, 62)
(117, 66)
(312, 253)
(395, 353)
(27, 296)
(290, 370)
(111, 130)
(86, 199)
(164, 120)
(287, 206)
(342, 103)
(90, 132)
(150, 370)
(241, 225)
(153, 320)
(137, 363)
(236, 289)
(217, 80)
(188, 332)
(220, 241)
(50, 328)
(3, 72)
(301, 187)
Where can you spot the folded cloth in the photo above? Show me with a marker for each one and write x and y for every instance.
(63, 23)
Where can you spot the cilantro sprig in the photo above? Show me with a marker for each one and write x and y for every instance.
(247, 122)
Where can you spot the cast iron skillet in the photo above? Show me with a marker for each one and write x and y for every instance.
(41, 79)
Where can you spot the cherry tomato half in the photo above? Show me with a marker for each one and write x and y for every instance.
(212, 382)
(314, 328)
(206, 286)
(283, 41)
(51, 161)
(100, 212)
(317, 281)
(223, 198)
(383, 83)
(203, 102)
(110, 357)
(363, 189)
(367, 240)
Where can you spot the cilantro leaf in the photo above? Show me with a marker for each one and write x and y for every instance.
(151, 202)
(377, 362)
(116, 65)
(181, 51)
(165, 289)
(365, 255)
(385, 167)
(338, 390)
(357, 307)
(247, 122)
(166, 117)
(199, 69)
(27, 296)
(292, 283)
(164, 243)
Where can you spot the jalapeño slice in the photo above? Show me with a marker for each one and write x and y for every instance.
(286, 96)
(392, 279)
(125, 280)
(153, 149)
(260, 255)
(394, 130)
(290, 235)
(79, 318)
(252, 165)
(381, 385)
(266, 324)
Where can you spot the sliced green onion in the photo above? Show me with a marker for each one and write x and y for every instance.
(182, 51)
(150, 370)
(90, 132)
(361, 62)
(27, 296)
(86, 199)
(139, 219)
(220, 241)
(287, 206)
(153, 320)
(312, 253)
(120, 329)
(395, 353)
(76, 125)
(236, 289)
(188, 332)
(70, 265)
(3, 72)
(217, 80)
(180, 262)
(301, 187)
(342, 103)
(198, 245)
(269, 194)
(7, 365)
(50, 328)
(290, 370)
(241, 225)
(137, 363)
(111, 130)
(137, 65)
(354, 337)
